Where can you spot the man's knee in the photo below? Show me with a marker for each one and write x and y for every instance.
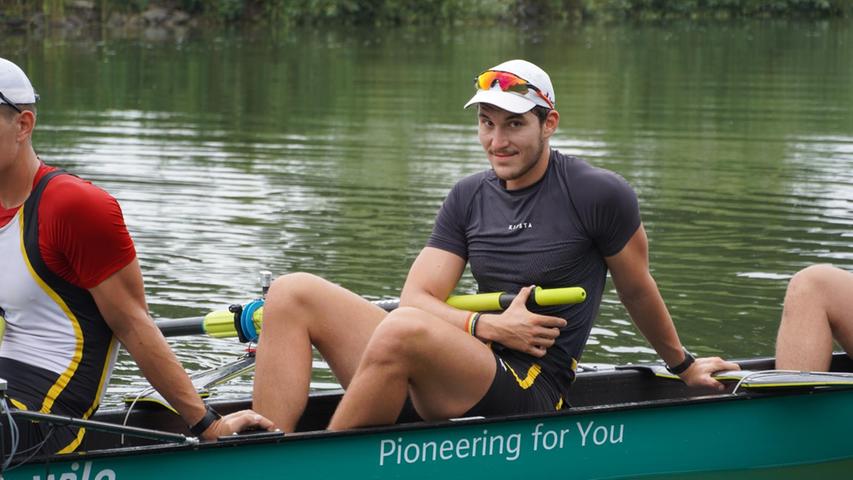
(400, 336)
(298, 288)
(290, 294)
(812, 280)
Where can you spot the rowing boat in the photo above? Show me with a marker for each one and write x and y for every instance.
(625, 422)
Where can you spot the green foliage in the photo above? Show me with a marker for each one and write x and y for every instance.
(12, 9)
(191, 6)
(394, 12)
(657, 9)
(136, 5)
(389, 12)
(228, 10)
(410, 12)
(53, 9)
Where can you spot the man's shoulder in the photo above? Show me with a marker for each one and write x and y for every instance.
(579, 168)
(470, 184)
(73, 188)
(476, 179)
(587, 177)
(68, 196)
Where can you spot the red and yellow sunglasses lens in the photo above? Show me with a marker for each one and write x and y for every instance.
(508, 82)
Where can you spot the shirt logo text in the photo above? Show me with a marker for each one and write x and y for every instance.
(520, 226)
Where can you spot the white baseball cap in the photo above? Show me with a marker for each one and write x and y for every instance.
(540, 94)
(15, 85)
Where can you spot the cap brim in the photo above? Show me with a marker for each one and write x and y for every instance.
(510, 102)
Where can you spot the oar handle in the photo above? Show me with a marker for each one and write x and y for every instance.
(221, 324)
(491, 302)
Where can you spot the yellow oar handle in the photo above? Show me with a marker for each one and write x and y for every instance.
(220, 324)
(490, 302)
(481, 302)
(546, 297)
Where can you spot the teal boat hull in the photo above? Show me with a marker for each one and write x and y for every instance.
(784, 434)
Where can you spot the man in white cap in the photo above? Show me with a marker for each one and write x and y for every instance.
(70, 286)
(537, 217)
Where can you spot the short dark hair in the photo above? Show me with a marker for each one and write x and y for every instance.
(541, 113)
(10, 111)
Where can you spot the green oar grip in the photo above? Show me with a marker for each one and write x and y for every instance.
(542, 297)
(220, 323)
(482, 302)
(545, 297)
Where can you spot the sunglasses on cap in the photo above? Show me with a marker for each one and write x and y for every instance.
(508, 82)
(10, 103)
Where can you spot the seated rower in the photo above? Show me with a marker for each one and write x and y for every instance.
(536, 217)
(70, 288)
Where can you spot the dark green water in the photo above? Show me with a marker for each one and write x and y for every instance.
(331, 152)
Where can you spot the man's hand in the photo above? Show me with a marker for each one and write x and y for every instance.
(699, 374)
(237, 422)
(519, 329)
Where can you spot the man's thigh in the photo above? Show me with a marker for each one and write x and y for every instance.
(450, 370)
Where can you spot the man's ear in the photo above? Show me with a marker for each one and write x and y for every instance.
(26, 121)
(551, 122)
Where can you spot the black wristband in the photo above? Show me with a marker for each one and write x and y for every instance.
(684, 365)
(210, 416)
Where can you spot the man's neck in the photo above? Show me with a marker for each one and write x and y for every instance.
(16, 182)
(535, 174)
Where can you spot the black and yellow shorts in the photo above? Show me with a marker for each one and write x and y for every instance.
(520, 386)
(38, 438)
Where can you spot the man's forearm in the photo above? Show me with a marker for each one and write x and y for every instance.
(649, 313)
(429, 303)
(163, 370)
(432, 277)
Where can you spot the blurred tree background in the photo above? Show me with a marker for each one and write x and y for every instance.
(420, 12)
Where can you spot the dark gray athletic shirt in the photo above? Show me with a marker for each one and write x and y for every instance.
(554, 233)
